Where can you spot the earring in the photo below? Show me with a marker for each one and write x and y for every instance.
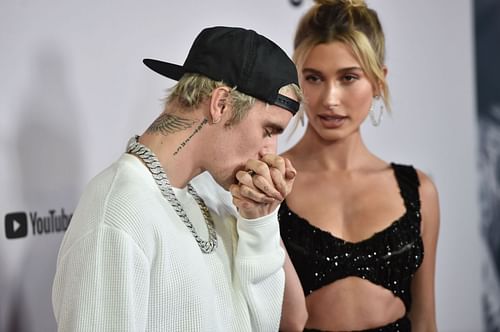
(375, 118)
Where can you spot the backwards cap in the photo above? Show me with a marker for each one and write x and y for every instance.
(242, 59)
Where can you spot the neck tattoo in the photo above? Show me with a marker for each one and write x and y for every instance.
(168, 123)
(183, 144)
(160, 177)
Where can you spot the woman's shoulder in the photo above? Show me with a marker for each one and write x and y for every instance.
(428, 189)
(428, 195)
(429, 200)
(425, 182)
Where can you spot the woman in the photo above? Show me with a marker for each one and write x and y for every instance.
(355, 226)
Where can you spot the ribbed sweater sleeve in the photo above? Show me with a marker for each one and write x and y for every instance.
(103, 284)
(258, 260)
(259, 265)
(102, 281)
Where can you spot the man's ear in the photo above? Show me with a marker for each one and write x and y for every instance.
(219, 103)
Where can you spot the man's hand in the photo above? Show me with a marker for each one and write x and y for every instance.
(262, 186)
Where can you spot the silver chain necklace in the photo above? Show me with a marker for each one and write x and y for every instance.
(154, 166)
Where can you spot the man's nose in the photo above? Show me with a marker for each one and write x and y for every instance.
(270, 146)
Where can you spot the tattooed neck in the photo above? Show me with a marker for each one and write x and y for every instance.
(168, 123)
(183, 144)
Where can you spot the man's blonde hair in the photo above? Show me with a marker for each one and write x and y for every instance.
(192, 89)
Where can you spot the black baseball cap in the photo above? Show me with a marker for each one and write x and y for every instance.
(241, 58)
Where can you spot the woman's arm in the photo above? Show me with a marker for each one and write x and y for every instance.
(423, 312)
(294, 311)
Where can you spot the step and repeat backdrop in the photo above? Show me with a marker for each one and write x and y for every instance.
(73, 90)
(487, 44)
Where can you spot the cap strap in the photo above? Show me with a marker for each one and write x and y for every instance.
(287, 103)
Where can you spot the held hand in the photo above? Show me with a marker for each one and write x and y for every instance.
(263, 186)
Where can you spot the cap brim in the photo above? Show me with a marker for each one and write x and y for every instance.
(166, 69)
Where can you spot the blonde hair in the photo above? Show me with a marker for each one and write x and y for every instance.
(192, 89)
(352, 23)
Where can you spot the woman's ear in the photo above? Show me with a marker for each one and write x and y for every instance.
(384, 70)
(218, 103)
(378, 90)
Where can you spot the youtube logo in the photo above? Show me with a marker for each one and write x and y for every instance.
(16, 225)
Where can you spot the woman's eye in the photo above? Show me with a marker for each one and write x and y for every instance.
(268, 133)
(349, 78)
(312, 78)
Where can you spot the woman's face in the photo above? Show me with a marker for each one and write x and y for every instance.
(337, 92)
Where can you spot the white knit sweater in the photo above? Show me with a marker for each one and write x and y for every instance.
(128, 263)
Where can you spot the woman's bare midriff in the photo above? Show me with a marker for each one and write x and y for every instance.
(352, 304)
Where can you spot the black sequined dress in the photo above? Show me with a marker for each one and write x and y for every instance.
(389, 258)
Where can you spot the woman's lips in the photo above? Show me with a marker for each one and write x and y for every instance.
(332, 120)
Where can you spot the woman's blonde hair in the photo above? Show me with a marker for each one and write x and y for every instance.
(352, 23)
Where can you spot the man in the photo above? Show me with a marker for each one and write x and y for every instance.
(143, 252)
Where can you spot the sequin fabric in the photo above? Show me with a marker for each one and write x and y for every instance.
(401, 325)
(389, 258)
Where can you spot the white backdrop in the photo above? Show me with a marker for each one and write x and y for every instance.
(73, 90)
